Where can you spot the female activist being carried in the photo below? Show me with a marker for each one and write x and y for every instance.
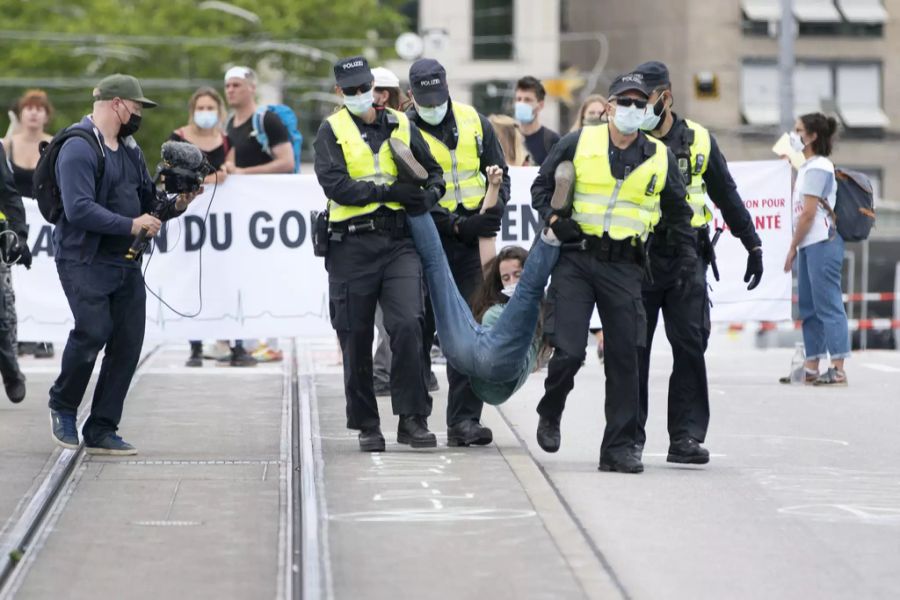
(499, 353)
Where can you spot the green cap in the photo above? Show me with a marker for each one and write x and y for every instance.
(122, 86)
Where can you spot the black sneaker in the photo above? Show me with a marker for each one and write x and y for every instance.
(371, 440)
(687, 451)
(548, 435)
(15, 389)
(469, 432)
(111, 445)
(241, 358)
(64, 429)
(563, 196)
(623, 462)
(409, 169)
(43, 350)
(413, 430)
(433, 384)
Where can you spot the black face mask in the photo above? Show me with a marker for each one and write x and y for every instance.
(660, 106)
(131, 126)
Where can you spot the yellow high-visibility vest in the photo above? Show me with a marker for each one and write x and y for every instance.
(462, 166)
(363, 164)
(623, 208)
(696, 189)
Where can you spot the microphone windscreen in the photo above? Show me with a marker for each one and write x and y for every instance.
(182, 154)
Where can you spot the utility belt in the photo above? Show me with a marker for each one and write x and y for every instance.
(384, 221)
(606, 249)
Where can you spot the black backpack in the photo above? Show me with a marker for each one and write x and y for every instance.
(854, 209)
(46, 188)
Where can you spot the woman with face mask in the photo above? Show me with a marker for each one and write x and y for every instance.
(386, 90)
(820, 251)
(206, 113)
(592, 112)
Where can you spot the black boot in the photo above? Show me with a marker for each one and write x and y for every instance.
(196, 357)
(371, 440)
(15, 389)
(687, 451)
(548, 435)
(623, 462)
(468, 432)
(413, 430)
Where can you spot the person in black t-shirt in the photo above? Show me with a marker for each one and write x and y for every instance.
(539, 140)
(246, 155)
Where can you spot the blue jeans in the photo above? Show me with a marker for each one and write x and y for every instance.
(497, 353)
(825, 330)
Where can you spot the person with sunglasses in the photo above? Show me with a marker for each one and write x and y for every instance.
(465, 145)
(626, 183)
(371, 258)
(686, 311)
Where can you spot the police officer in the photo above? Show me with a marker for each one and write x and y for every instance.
(104, 289)
(686, 312)
(625, 185)
(14, 251)
(464, 144)
(371, 256)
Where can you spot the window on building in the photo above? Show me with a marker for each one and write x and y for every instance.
(492, 97)
(863, 18)
(410, 10)
(853, 90)
(859, 96)
(492, 29)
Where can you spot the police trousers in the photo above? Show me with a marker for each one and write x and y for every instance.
(363, 270)
(108, 303)
(579, 282)
(465, 265)
(686, 316)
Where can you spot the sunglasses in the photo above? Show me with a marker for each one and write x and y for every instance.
(625, 101)
(359, 89)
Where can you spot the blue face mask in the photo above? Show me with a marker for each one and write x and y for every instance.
(359, 103)
(206, 119)
(432, 115)
(628, 119)
(524, 112)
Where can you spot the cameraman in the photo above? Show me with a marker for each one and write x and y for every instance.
(15, 251)
(105, 290)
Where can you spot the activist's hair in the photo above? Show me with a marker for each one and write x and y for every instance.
(512, 142)
(532, 84)
(34, 98)
(396, 98)
(824, 127)
(488, 292)
(211, 93)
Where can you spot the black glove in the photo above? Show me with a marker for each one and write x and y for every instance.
(408, 195)
(22, 252)
(566, 230)
(687, 269)
(754, 268)
(482, 225)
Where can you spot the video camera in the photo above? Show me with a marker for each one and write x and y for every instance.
(181, 171)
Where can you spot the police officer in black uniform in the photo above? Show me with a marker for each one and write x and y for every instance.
(460, 139)
(619, 177)
(371, 256)
(686, 312)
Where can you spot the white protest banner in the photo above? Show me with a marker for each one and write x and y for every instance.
(253, 262)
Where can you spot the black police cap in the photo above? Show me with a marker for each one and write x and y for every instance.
(428, 81)
(656, 74)
(352, 72)
(627, 82)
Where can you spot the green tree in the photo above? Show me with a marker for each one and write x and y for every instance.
(174, 46)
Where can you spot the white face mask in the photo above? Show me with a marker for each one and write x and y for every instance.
(509, 290)
(628, 119)
(797, 144)
(206, 119)
(360, 103)
(433, 115)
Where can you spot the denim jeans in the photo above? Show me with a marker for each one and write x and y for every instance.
(497, 353)
(825, 330)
